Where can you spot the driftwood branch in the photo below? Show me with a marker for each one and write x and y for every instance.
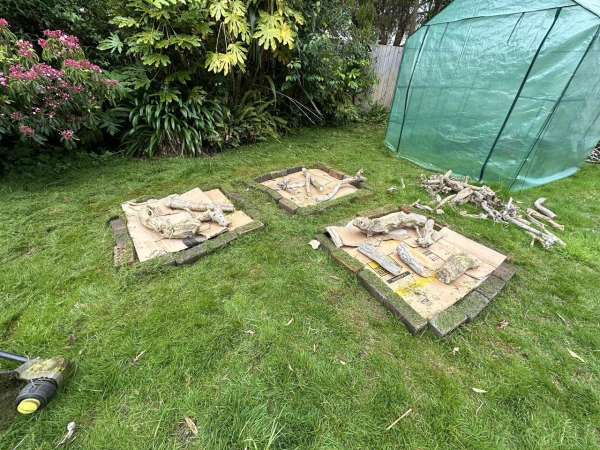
(533, 213)
(287, 185)
(379, 258)
(425, 239)
(215, 215)
(151, 219)
(308, 181)
(541, 208)
(175, 202)
(312, 180)
(455, 266)
(356, 178)
(389, 222)
(407, 258)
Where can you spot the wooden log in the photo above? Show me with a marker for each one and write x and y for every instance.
(543, 209)
(175, 202)
(314, 181)
(386, 223)
(150, 218)
(536, 215)
(356, 178)
(216, 216)
(407, 258)
(308, 181)
(426, 239)
(379, 258)
(455, 266)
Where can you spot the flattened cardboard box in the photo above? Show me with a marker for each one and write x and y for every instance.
(427, 296)
(149, 244)
(300, 198)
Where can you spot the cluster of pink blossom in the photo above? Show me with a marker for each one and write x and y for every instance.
(83, 64)
(27, 131)
(67, 134)
(68, 40)
(55, 97)
(18, 116)
(25, 49)
(111, 82)
(3, 23)
(36, 111)
(47, 71)
(17, 72)
(3, 80)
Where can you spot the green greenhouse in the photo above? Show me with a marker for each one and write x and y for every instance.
(504, 91)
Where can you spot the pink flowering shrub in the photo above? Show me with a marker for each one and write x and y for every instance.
(54, 103)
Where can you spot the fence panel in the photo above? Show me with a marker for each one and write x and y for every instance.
(386, 61)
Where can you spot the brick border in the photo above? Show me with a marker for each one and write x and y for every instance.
(290, 207)
(464, 310)
(125, 249)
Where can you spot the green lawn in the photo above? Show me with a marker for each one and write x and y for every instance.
(285, 386)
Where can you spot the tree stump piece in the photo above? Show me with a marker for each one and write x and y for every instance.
(455, 266)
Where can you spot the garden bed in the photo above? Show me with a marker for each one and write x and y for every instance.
(420, 301)
(298, 201)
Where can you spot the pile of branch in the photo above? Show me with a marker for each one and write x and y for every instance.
(286, 184)
(458, 191)
(594, 156)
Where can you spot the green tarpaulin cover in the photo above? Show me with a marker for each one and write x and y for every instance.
(504, 91)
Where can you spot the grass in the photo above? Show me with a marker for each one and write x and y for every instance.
(285, 387)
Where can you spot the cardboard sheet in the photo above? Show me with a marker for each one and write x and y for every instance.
(149, 244)
(427, 296)
(300, 198)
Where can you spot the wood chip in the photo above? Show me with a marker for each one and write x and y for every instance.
(503, 324)
(191, 425)
(290, 367)
(392, 190)
(399, 419)
(72, 340)
(455, 350)
(575, 355)
(314, 244)
(289, 322)
(479, 391)
(342, 362)
(334, 277)
(249, 332)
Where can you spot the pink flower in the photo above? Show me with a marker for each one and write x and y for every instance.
(47, 71)
(27, 131)
(17, 72)
(36, 111)
(42, 43)
(111, 82)
(18, 116)
(83, 64)
(25, 49)
(65, 39)
(3, 23)
(67, 134)
(3, 80)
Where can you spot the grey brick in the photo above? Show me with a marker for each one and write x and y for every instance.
(490, 287)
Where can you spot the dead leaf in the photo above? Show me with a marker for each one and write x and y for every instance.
(503, 324)
(479, 391)
(289, 322)
(575, 355)
(70, 429)
(135, 360)
(314, 244)
(191, 425)
(249, 332)
(72, 340)
(334, 277)
(455, 350)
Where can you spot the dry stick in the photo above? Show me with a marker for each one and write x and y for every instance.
(563, 319)
(402, 182)
(399, 419)
(445, 200)
(308, 181)
(534, 214)
(418, 205)
(379, 258)
(407, 258)
(355, 178)
(543, 209)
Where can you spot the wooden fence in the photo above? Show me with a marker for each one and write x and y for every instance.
(386, 61)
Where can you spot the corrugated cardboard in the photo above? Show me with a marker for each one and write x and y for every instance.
(428, 296)
(300, 198)
(149, 244)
